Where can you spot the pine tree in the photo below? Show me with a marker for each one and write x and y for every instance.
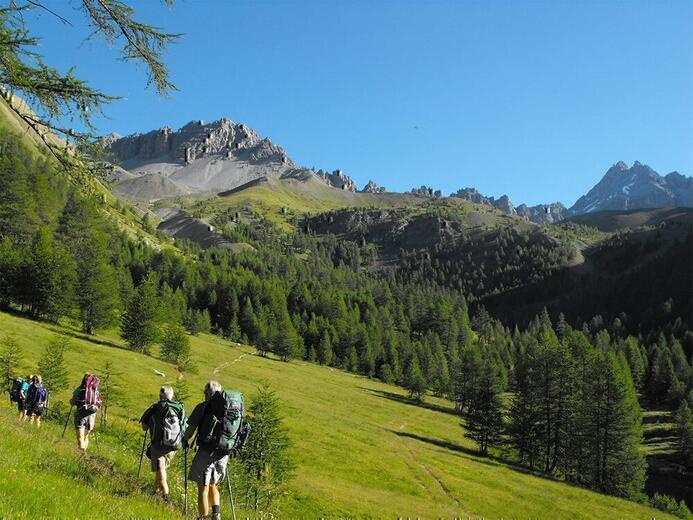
(181, 388)
(175, 345)
(139, 323)
(249, 322)
(51, 365)
(484, 420)
(9, 360)
(323, 353)
(111, 392)
(265, 463)
(524, 428)
(48, 278)
(615, 431)
(10, 264)
(414, 380)
(684, 432)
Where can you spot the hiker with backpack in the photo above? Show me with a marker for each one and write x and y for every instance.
(18, 394)
(36, 400)
(165, 421)
(219, 423)
(87, 401)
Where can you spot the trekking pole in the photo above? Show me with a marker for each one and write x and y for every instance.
(185, 479)
(67, 421)
(233, 506)
(144, 441)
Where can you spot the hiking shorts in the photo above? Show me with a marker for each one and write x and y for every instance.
(208, 467)
(21, 405)
(85, 421)
(160, 457)
(34, 411)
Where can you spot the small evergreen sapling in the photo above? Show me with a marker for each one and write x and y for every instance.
(51, 366)
(9, 359)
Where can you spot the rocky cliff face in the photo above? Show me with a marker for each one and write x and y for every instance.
(194, 141)
(213, 157)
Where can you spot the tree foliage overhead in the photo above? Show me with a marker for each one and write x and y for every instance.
(54, 96)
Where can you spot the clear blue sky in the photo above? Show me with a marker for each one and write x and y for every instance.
(533, 99)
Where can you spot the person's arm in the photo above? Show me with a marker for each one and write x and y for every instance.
(73, 399)
(193, 422)
(146, 416)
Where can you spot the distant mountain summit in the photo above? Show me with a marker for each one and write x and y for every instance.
(621, 188)
(636, 187)
(215, 157)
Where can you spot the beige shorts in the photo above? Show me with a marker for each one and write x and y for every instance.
(161, 459)
(208, 468)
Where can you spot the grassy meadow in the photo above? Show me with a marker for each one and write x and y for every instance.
(361, 449)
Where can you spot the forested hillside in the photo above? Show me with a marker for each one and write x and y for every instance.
(556, 395)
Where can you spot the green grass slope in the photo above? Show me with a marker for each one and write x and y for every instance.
(280, 201)
(362, 450)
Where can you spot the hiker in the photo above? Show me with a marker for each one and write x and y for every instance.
(18, 393)
(217, 421)
(36, 400)
(165, 420)
(87, 400)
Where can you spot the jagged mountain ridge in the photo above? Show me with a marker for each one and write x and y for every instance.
(637, 187)
(621, 188)
(213, 157)
(540, 214)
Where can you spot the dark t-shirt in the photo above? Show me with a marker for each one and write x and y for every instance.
(195, 420)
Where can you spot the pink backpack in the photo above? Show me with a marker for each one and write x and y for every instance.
(92, 398)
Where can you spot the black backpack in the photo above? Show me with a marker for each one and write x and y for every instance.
(16, 390)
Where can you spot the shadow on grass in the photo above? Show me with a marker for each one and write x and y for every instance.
(450, 446)
(66, 330)
(85, 337)
(489, 460)
(406, 400)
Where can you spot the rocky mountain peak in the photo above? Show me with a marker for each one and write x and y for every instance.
(372, 187)
(195, 140)
(636, 187)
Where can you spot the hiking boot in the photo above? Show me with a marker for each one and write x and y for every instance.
(216, 516)
(166, 498)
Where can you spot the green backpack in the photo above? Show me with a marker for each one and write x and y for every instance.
(168, 424)
(222, 421)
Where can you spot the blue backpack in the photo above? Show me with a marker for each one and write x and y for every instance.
(37, 397)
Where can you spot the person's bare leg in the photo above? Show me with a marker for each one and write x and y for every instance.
(38, 422)
(213, 495)
(161, 481)
(202, 499)
(82, 442)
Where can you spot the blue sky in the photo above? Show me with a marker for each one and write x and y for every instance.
(533, 99)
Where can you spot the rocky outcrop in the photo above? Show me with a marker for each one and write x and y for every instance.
(337, 179)
(543, 213)
(472, 195)
(372, 187)
(425, 191)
